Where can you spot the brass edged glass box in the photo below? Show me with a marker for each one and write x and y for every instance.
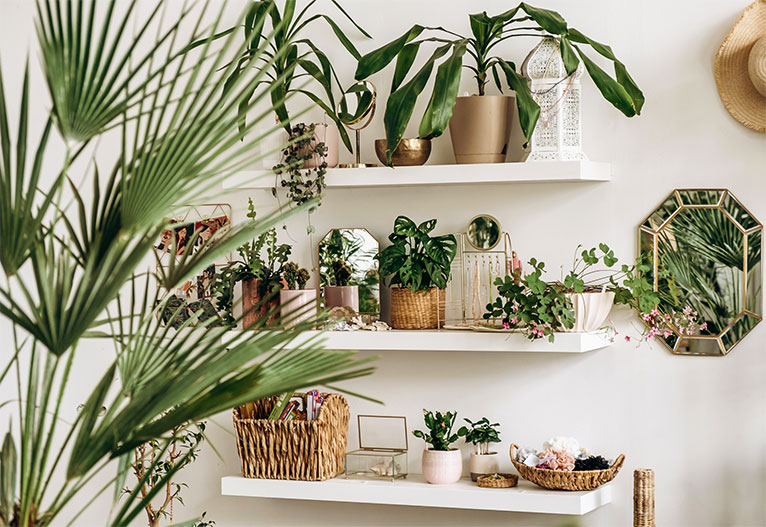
(382, 452)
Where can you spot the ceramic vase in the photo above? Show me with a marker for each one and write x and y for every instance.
(481, 128)
(442, 467)
(253, 306)
(297, 305)
(342, 296)
(327, 134)
(483, 464)
(591, 310)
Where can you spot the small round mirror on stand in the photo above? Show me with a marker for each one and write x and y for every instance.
(483, 232)
(356, 110)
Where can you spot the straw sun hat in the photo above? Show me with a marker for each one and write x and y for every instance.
(740, 68)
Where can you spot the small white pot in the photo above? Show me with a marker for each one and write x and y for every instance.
(297, 302)
(442, 467)
(591, 310)
(483, 464)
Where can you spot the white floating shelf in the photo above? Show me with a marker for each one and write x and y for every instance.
(537, 172)
(454, 340)
(415, 492)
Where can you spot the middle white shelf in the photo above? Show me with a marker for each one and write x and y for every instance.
(453, 340)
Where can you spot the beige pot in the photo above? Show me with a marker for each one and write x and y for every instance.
(327, 134)
(342, 296)
(483, 464)
(591, 310)
(481, 128)
(298, 305)
(442, 467)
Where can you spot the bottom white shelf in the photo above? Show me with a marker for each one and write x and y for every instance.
(415, 492)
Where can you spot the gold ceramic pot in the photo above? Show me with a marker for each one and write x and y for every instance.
(481, 128)
(410, 152)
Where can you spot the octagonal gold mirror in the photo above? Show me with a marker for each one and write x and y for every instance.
(704, 247)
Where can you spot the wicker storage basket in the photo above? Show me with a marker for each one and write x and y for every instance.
(301, 450)
(417, 309)
(507, 481)
(564, 480)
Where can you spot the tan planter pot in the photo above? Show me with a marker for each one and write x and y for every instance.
(298, 305)
(417, 309)
(591, 310)
(483, 464)
(481, 128)
(327, 134)
(442, 467)
(251, 297)
(342, 296)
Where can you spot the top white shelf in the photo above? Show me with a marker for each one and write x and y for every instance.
(534, 172)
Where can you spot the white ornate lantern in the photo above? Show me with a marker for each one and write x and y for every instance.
(557, 136)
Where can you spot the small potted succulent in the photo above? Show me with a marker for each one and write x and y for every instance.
(481, 434)
(418, 265)
(442, 465)
(340, 292)
(295, 297)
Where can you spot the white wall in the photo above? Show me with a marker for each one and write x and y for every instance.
(699, 422)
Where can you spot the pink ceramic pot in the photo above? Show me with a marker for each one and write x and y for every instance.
(298, 305)
(442, 467)
(327, 134)
(342, 296)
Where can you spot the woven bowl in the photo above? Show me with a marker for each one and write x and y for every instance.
(507, 481)
(564, 480)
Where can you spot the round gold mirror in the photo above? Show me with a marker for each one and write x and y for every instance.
(357, 105)
(483, 232)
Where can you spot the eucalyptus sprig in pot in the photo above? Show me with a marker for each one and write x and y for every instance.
(297, 302)
(442, 464)
(481, 434)
(418, 267)
(341, 292)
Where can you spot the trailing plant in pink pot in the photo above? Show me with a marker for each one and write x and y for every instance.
(442, 465)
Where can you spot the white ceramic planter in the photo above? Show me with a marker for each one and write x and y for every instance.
(442, 467)
(296, 302)
(591, 310)
(482, 464)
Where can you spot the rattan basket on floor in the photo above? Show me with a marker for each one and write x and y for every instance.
(300, 450)
(417, 309)
(565, 480)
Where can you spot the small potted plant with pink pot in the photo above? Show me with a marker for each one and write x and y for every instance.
(339, 292)
(298, 303)
(482, 434)
(442, 464)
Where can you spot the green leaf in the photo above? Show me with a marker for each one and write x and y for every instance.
(439, 111)
(568, 56)
(529, 111)
(549, 20)
(612, 90)
(404, 61)
(378, 59)
(8, 471)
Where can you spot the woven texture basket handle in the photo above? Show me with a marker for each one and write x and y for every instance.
(619, 461)
(513, 445)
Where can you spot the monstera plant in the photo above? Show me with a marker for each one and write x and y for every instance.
(486, 65)
(76, 262)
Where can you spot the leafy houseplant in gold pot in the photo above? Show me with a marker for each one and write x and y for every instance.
(480, 125)
(481, 434)
(340, 292)
(418, 266)
(298, 303)
(442, 465)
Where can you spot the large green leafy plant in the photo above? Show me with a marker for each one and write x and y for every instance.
(486, 33)
(75, 263)
(415, 259)
(439, 435)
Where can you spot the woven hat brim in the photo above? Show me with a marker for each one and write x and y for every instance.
(736, 89)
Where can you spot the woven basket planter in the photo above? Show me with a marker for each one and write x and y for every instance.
(299, 450)
(565, 480)
(417, 309)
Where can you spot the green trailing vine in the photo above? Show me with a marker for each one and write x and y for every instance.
(302, 184)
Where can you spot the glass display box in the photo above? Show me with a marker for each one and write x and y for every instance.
(382, 452)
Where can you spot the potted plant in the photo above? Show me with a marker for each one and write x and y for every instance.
(590, 288)
(442, 465)
(481, 434)
(295, 296)
(480, 124)
(261, 278)
(303, 58)
(340, 292)
(418, 266)
(303, 165)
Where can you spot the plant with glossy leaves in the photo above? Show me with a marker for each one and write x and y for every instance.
(439, 434)
(416, 259)
(303, 58)
(75, 264)
(481, 434)
(486, 33)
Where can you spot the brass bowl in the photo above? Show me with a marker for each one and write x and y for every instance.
(410, 152)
